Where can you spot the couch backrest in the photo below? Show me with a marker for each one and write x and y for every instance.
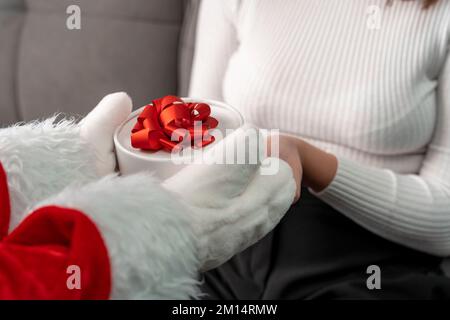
(187, 45)
(45, 68)
(11, 21)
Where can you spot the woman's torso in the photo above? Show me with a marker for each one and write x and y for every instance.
(357, 77)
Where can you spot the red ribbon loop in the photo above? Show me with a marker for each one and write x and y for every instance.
(157, 125)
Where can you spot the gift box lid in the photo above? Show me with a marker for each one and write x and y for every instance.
(131, 159)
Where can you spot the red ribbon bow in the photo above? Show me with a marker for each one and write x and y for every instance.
(156, 126)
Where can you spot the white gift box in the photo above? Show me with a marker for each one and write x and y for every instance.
(131, 160)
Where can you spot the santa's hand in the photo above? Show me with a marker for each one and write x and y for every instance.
(98, 128)
(233, 206)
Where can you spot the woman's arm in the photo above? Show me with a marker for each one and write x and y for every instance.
(413, 210)
(216, 40)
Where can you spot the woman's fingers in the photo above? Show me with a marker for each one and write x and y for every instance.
(288, 149)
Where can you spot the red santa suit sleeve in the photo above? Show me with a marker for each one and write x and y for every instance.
(55, 253)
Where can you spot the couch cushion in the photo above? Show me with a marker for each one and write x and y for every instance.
(187, 45)
(12, 5)
(149, 10)
(11, 18)
(123, 45)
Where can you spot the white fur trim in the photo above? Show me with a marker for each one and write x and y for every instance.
(152, 248)
(40, 159)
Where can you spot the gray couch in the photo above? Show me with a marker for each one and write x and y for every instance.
(143, 47)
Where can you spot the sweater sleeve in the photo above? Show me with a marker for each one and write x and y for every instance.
(413, 210)
(216, 40)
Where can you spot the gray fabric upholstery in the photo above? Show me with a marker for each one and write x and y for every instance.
(45, 68)
(187, 45)
(11, 19)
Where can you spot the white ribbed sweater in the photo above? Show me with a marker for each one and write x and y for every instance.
(365, 81)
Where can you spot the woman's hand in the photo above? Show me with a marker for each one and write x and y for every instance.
(311, 166)
(289, 151)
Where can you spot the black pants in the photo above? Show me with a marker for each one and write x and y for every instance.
(316, 252)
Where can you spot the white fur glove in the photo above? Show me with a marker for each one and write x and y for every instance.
(234, 205)
(41, 158)
(97, 129)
